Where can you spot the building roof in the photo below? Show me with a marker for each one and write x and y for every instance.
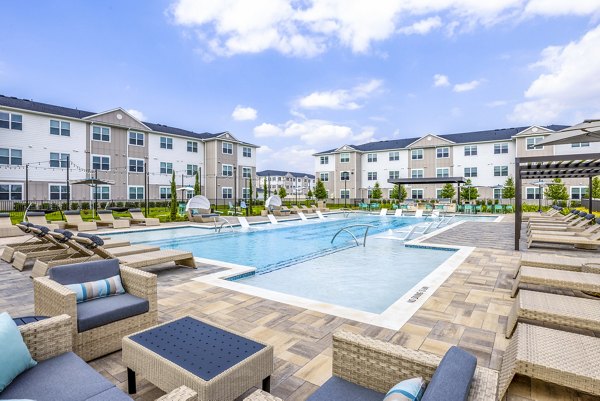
(26, 104)
(502, 134)
(277, 173)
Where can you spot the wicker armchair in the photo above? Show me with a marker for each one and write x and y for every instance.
(53, 299)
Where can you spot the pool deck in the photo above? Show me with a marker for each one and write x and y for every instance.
(469, 310)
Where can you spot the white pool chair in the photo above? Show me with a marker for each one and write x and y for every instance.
(435, 213)
(243, 222)
(383, 212)
(320, 215)
(302, 216)
(272, 219)
(419, 213)
(398, 213)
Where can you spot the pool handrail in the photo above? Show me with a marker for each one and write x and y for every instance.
(346, 229)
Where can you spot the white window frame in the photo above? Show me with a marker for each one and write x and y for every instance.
(190, 167)
(190, 145)
(225, 173)
(101, 127)
(227, 148)
(437, 172)
(229, 190)
(11, 157)
(412, 192)
(438, 193)
(345, 157)
(136, 165)
(501, 146)
(535, 189)
(417, 170)
(417, 154)
(580, 145)
(371, 157)
(136, 139)
(101, 162)
(168, 142)
(344, 193)
(447, 152)
(581, 194)
(470, 150)
(324, 159)
(247, 172)
(60, 127)
(471, 169)
(324, 177)
(372, 176)
(167, 165)
(11, 122)
(500, 170)
(137, 187)
(93, 190)
(394, 156)
(167, 192)
(246, 151)
(60, 185)
(393, 174)
(344, 176)
(61, 161)
(497, 193)
(534, 146)
(10, 189)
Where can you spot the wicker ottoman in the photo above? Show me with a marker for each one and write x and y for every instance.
(217, 364)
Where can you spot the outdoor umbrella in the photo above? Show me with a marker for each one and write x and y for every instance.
(587, 131)
(93, 182)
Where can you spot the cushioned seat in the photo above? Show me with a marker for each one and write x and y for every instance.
(210, 215)
(46, 381)
(102, 311)
(112, 394)
(452, 378)
(84, 272)
(336, 389)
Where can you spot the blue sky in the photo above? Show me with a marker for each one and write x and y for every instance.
(308, 75)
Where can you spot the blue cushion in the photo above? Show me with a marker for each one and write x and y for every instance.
(97, 289)
(452, 379)
(102, 311)
(112, 394)
(65, 377)
(94, 238)
(406, 390)
(14, 355)
(84, 272)
(336, 389)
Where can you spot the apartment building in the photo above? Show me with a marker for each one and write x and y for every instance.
(293, 182)
(485, 157)
(40, 144)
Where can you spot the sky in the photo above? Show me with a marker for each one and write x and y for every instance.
(301, 76)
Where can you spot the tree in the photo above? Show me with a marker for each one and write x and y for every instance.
(265, 190)
(398, 193)
(596, 188)
(448, 191)
(282, 192)
(557, 191)
(320, 191)
(173, 198)
(309, 194)
(468, 191)
(508, 192)
(197, 185)
(376, 192)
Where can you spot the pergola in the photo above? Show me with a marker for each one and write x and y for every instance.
(560, 166)
(430, 180)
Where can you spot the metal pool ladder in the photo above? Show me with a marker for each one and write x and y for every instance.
(348, 212)
(223, 221)
(346, 229)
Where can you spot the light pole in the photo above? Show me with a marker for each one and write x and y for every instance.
(540, 184)
(234, 186)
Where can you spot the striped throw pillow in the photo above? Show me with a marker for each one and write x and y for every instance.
(406, 390)
(97, 289)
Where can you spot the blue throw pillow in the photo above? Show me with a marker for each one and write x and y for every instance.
(14, 355)
(97, 289)
(406, 390)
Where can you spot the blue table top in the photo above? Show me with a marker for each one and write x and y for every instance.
(20, 321)
(201, 349)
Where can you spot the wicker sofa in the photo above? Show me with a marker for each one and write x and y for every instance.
(98, 325)
(62, 375)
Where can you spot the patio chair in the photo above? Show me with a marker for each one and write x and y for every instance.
(577, 218)
(557, 218)
(591, 242)
(34, 242)
(585, 228)
(137, 217)
(398, 213)
(575, 225)
(202, 216)
(233, 210)
(107, 219)
(557, 262)
(39, 218)
(306, 209)
(280, 211)
(383, 212)
(498, 208)
(564, 279)
(322, 207)
(243, 206)
(98, 325)
(286, 209)
(54, 247)
(419, 213)
(7, 229)
(74, 220)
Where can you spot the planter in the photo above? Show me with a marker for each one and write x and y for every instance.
(264, 213)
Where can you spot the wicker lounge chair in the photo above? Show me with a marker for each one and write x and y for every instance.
(137, 217)
(39, 218)
(99, 325)
(322, 207)
(279, 211)
(591, 242)
(32, 242)
(553, 356)
(558, 262)
(74, 220)
(7, 229)
(107, 219)
(586, 227)
(553, 217)
(54, 247)
(581, 220)
(587, 282)
(202, 216)
(553, 309)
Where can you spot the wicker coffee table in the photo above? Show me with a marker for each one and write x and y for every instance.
(217, 364)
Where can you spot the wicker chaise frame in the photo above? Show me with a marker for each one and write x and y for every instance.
(52, 299)
(48, 338)
(587, 282)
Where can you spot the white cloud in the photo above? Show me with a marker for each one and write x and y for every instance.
(294, 158)
(496, 103)
(568, 85)
(467, 86)
(440, 80)
(137, 114)
(560, 7)
(241, 113)
(266, 130)
(422, 27)
(344, 99)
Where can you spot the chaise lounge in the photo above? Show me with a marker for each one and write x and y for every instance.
(107, 219)
(7, 229)
(137, 217)
(74, 220)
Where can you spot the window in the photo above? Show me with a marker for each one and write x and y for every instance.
(136, 193)
(532, 142)
(497, 193)
(416, 193)
(166, 143)
(62, 128)
(344, 157)
(227, 170)
(11, 192)
(246, 193)
(102, 192)
(416, 154)
(580, 145)
(416, 173)
(227, 193)
(191, 169)
(500, 171)
(394, 156)
(11, 120)
(471, 150)
(442, 153)
(345, 193)
(246, 172)
(442, 172)
(500, 148)
(165, 192)
(166, 168)
(136, 165)
(58, 159)
(394, 174)
(324, 159)
(101, 163)
(470, 171)
(533, 192)
(345, 175)
(246, 151)
(101, 133)
(372, 176)
(192, 146)
(372, 157)
(227, 148)
(11, 156)
(58, 192)
(136, 138)
(579, 192)
(324, 177)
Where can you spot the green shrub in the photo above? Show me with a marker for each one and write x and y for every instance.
(19, 206)
(119, 204)
(85, 205)
(74, 206)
